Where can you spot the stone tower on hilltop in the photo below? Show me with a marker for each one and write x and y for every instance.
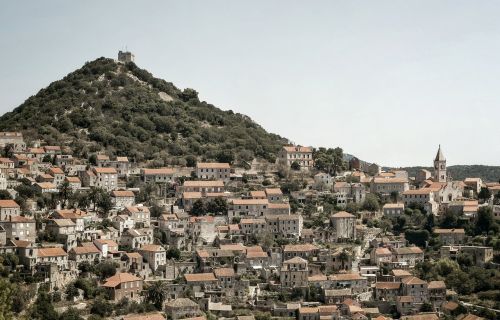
(440, 167)
(125, 56)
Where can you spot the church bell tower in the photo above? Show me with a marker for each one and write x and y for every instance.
(440, 167)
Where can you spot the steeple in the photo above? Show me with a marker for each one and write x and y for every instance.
(439, 155)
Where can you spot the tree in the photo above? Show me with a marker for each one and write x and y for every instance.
(105, 203)
(426, 307)
(65, 192)
(484, 194)
(101, 307)
(371, 203)
(156, 294)
(5, 195)
(485, 222)
(394, 196)
(71, 314)
(295, 166)
(417, 237)
(199, 208)
(106, 269)
(217, 205)
(225, 156)
(6, 298)
(43, 308)
(344, 257)
(173, 253)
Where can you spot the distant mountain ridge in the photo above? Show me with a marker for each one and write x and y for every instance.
(460, 172)
(123, 110)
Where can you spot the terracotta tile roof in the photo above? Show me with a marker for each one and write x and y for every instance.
(342, 214)
(63, 222)
(192, 195)
(317, 278)
(300, 247)
(394, 206)
(71, 213)
(19, 219)
(118, 278)
(122, 193)
(408, 250)
(258, 194)
(137, 209)
(51, 252)
(8, 204)
(121, 159)
(105, 170)
(250, 202)
(388, 285)
(389, 180)
(21, 243)
(199, 277)
(423, 191)
(278, 205)
(252, 221)
(233, 247)
(346, 277)
(145, 316)
(400, 272)
(383, 251)
(85, 249)
(224, 272)
(73, 179)
(308, 310)
(46, 185)
(203, 183)
(206, 219)
(102, 157)
(152, 247)
(56, 170)
(212, 165)
(449, 231)
(274, 192)
(297, 149)
(436, 285)
(412, 280)
(157, 171)
(295, 260)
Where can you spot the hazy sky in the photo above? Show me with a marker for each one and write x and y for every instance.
(386, 80)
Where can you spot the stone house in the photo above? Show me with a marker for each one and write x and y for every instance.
(154, 254)
(8, 209)
(239, 208)
(274, 194)
(416, 288)
(213, 171)
(294, 273)
(450, 236)
(409, 256)
(286, 226)
(159, 175)
(74, 182)
(182, 308)
(86, 253)
(123, 198)
(123, 285)
(301, 155)
(393, 209)
(19, 228)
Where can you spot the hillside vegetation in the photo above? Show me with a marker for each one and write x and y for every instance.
(124, 110)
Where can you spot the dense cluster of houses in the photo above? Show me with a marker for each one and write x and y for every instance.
(249, 255)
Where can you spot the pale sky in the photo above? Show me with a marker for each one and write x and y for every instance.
(386, 80)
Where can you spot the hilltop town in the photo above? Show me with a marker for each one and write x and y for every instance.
(299, 234)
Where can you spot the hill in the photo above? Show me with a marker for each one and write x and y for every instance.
(460, 172)
(123, 110)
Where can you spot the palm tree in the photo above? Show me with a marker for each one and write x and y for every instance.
(156, 293)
